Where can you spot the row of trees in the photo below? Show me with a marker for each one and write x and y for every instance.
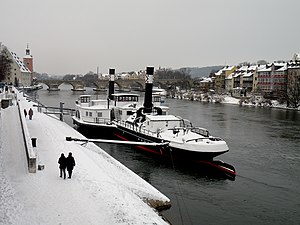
(167, 73)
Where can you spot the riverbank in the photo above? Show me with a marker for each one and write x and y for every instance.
(250, 100)
(101, 191)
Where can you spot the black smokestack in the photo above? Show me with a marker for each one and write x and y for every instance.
(111, 87)
(148, 91)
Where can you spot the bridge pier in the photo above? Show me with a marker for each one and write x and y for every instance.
(53, 87)
(78, 87)
(97, 89)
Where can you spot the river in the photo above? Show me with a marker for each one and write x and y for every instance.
(264, 148)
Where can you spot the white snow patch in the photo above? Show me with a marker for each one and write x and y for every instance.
(101, 191)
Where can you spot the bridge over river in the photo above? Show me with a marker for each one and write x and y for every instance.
(102, 84)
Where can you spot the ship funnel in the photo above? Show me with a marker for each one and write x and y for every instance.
(148, 90)
(111, 87)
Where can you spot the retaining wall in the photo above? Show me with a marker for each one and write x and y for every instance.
(30, 153)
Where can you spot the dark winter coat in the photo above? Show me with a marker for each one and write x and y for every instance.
(30, 112)
(62, 161)
(70, 162)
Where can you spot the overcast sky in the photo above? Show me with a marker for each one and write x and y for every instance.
(76, 36)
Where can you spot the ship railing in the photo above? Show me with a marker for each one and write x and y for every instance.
(101, 120)
(201, 131)
(140, 129)
(205, 138)
(56, 110)
(198, 130)
(196, 139)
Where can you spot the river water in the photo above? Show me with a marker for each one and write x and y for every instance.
(264, 148)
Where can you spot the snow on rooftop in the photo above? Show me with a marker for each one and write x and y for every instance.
(294, 65)
(125, 94)
(28, 57)
(248, 74)
(243, 68)
(206, 80)
(163, 118)
(229, 77)
(228, 68)
(101, 191)
(252, 67)
(283, 68)
(264, 68)
(19, 62)
(219, 72)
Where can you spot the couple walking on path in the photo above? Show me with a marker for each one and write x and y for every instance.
(64, 163)
(30, 113)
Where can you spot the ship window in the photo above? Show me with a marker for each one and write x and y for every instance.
(86, 113)
(99, 114)
(90, 113)
(120, 112)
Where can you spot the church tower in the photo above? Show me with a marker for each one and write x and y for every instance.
(28, 59)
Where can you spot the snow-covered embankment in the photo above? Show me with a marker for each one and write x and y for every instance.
(101, 191)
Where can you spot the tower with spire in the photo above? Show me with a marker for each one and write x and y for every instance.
(28, 59)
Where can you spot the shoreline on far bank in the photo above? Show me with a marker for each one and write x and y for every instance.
(251, 101)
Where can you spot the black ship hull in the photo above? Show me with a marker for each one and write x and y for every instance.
(175, 155)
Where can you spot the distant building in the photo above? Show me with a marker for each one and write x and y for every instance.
(272, 79)
(205, 84)
(20, 74)
(220, 78)
(241, 80)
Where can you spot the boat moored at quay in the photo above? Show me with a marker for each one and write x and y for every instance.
(97, 113)
(186, 143)
(131, 121)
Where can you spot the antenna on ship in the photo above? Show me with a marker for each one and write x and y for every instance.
(148, 89)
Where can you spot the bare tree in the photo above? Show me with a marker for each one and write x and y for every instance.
(164, 73)
(293, 92)
(167, 73)
(5, 65)
(244, 64)
(262, 62)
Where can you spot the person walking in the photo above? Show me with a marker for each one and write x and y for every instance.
(30, 113)
(70, 164)
(25, 113)
(62, 161)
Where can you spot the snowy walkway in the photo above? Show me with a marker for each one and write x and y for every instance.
(101, 191)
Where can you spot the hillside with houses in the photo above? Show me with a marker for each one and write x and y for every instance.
(277, 80)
